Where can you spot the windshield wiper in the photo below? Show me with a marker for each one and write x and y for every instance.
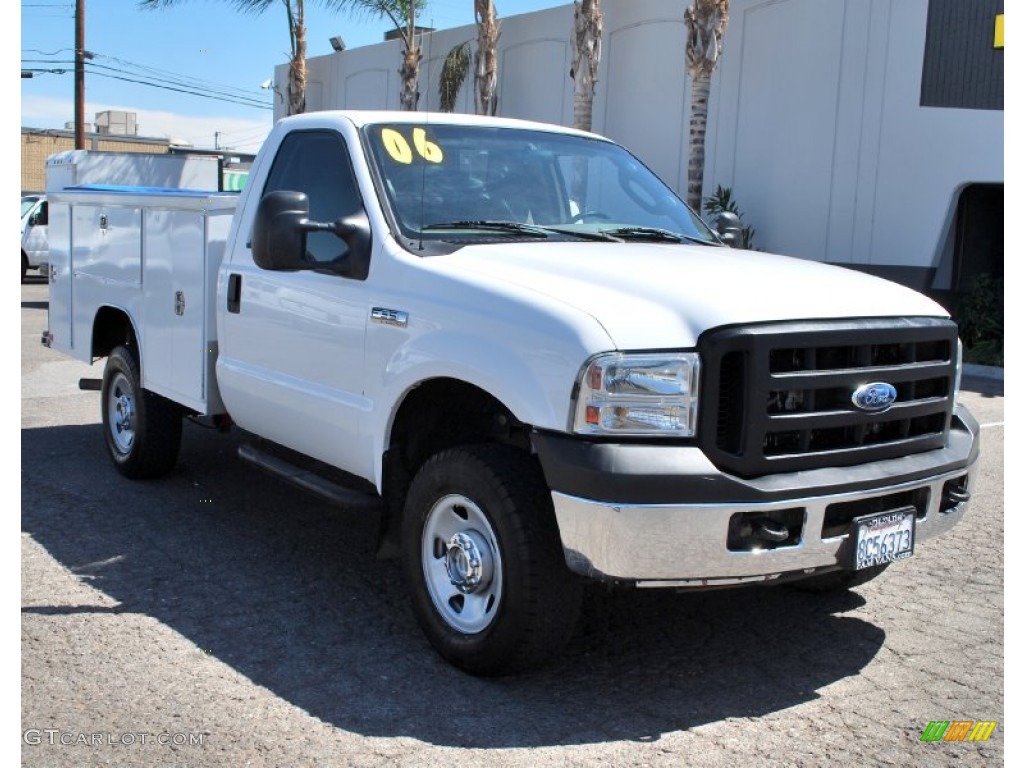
(654, 234)
(584, 234)
(518, 228)
(512, 227)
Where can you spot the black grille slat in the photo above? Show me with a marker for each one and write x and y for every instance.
(821, 419)
(789, 405)
(893, 375)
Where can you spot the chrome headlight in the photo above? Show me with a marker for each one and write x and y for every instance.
(638, 394)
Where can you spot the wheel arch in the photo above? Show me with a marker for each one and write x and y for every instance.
(111, 327)
(432, 416)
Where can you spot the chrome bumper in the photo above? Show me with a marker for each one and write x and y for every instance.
(685, 545)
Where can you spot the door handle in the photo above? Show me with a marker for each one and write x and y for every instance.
(234, 293)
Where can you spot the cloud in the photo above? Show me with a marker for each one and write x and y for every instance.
(242, 134)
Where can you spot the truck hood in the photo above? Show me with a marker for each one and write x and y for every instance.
(653, 295)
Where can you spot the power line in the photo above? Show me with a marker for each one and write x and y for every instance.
(171, 78)
(177, 75)
(244, 135)
(177, 78)
(93, 66)
(46, 71)
(184, 90)
(170, 85)
(46, 53)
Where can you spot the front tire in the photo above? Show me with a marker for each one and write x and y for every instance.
(24, 266)
(484, 563)
(142, 429)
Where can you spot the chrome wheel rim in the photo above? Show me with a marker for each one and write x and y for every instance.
(121, 413)
(462, 564)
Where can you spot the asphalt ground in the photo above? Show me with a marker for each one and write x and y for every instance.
(216, 617)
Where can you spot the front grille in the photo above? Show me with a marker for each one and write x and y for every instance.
(779, 397)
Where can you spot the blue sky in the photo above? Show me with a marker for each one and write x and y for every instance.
(196, 40)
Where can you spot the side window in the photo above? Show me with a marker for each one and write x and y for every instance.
(39, 217)
(317, 163)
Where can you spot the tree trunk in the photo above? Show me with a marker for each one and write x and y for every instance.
(699, 94)
(588, 25)
(410, 73)
(297, 74)
(706, 22)
(411, 56)
(486, 58)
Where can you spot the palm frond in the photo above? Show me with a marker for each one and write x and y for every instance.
(453, 75)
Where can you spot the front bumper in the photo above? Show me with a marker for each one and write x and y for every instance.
(663, 516)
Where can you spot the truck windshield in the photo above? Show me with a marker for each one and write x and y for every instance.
(470, 182)
(26, 205)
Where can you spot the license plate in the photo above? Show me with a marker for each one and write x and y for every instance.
(884, 538)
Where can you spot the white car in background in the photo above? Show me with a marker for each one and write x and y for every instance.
(35, 245)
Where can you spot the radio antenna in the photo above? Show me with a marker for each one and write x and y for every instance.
(426, 121)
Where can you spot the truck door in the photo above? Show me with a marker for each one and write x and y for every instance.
(291, 343)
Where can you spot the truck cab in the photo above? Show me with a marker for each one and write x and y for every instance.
(34, 237)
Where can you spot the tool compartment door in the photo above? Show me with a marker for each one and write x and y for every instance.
(174, 287)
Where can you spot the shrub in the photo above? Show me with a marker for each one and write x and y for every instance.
(979, 314)
(722, 201)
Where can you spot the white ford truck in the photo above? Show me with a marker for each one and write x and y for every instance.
(529, 357)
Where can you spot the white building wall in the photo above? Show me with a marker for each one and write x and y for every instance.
(814, 119)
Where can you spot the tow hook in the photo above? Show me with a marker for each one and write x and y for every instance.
(955, 496)
(766, 529)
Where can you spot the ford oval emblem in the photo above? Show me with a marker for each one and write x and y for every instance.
(874, 397)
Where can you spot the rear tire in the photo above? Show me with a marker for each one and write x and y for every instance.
(142, 429)
(24, 267)
(839, 581)
(483, 561)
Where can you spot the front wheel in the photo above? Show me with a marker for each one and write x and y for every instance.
(142, 429)
(484, 563)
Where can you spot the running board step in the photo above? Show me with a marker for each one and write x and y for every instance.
(350, 498)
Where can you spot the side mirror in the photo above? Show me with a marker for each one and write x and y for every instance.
(355, 231)
(278, 232)
(33, 220)
(279, 237)
(729, 229)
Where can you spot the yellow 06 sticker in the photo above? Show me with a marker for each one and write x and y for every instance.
(398, 148)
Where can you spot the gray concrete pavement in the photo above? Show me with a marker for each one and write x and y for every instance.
(221, 609)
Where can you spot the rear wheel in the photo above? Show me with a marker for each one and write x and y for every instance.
(484, 563)
(24, 267)
(142, 429)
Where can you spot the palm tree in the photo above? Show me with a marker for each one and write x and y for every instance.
(296, 33)
(402, 14)
(588, 23)
(706, 21)
(486, 57)
(453, 75)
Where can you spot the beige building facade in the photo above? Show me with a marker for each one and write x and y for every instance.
(37, 145)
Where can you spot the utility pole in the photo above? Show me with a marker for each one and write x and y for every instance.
(216, 139)
(79, 74)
